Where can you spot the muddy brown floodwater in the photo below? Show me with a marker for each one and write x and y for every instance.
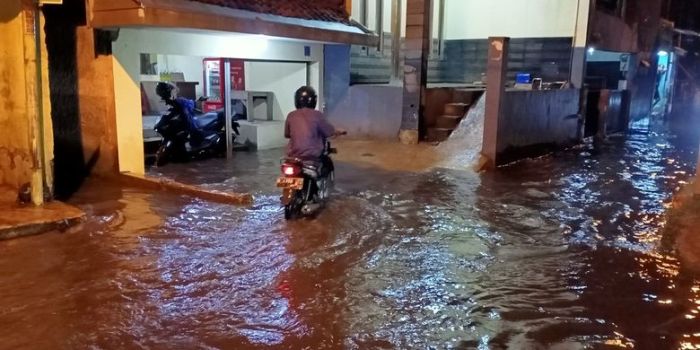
(563, 252)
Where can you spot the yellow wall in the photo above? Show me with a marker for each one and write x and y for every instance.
(97, 111)
(48, 140)
(127, 98)
(478, 19)
(20, 136)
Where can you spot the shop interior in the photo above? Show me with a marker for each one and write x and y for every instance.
(262, 94)
(263, 72)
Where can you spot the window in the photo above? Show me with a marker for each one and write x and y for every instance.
(437, 28)
(380, 64)
(374, 15)
(149, 64)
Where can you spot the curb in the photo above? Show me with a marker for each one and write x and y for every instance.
(37, 229)
(73, 217)
(162, 184)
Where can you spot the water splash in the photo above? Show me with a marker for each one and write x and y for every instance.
(462, 149)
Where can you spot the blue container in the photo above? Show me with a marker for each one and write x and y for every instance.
(522, 78)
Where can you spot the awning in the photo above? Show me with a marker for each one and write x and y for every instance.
(107, 14)
(687, 32)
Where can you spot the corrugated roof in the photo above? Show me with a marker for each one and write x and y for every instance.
(320, 10)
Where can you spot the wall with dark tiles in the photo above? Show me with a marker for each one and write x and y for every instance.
(535, 122)
(464, 61)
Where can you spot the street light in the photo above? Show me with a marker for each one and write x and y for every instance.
(663, 53)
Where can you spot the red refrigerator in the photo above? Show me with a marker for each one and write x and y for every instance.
(214, 81)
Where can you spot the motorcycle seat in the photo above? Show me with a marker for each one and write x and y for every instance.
(302, 162)
(313, 164)
(207, 121)
(314, 168)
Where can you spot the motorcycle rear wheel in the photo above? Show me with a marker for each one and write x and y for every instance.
(288, 212)
(293, 209)
(162, 155)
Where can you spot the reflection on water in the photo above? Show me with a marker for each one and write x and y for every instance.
(561, 252)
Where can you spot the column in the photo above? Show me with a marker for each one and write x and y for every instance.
(580, 49)
(496, 76)
(416, 51)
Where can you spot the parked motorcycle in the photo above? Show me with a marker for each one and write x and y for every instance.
(306, 185)
(187, 132)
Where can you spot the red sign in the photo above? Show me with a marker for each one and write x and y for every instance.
(238, 75)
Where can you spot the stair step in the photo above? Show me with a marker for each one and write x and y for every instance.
(456, 109)
(448, 121)
(438, 134)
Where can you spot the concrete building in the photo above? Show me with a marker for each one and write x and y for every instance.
(26, 139)
(433, 63)
(630, 42)
(444, 53)
(120, 49)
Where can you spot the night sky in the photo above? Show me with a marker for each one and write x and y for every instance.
(685, 14)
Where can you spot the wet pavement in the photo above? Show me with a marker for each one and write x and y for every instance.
(563, 252)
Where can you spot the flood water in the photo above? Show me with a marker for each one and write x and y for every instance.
(565, 252)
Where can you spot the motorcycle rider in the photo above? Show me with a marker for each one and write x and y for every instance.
(306, 128)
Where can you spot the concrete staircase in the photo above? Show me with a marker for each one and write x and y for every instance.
(447, 122)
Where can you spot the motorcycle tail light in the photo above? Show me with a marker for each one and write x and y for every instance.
(290, 170)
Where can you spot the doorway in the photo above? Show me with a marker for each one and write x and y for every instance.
(663, 91)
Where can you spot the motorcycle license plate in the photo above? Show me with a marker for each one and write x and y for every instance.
(295, 183)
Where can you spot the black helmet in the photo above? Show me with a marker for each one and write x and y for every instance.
(305, 97)
(165, 90)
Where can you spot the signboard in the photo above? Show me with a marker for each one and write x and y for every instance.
(237, 75)
(50, 2)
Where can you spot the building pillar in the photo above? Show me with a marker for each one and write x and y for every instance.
(416, 51)
(23, 135)
(580, 50)
(348, 7)
(496, 77)
(36, 72)
(96, 103)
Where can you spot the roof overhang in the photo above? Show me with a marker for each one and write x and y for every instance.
(107, 14)
(687, 32)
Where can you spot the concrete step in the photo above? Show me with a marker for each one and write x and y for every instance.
(448, 121)
(438, 134)
(18, 220)
(456, 109)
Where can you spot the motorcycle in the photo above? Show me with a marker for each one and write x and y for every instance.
(189, 133)
(306, 184)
